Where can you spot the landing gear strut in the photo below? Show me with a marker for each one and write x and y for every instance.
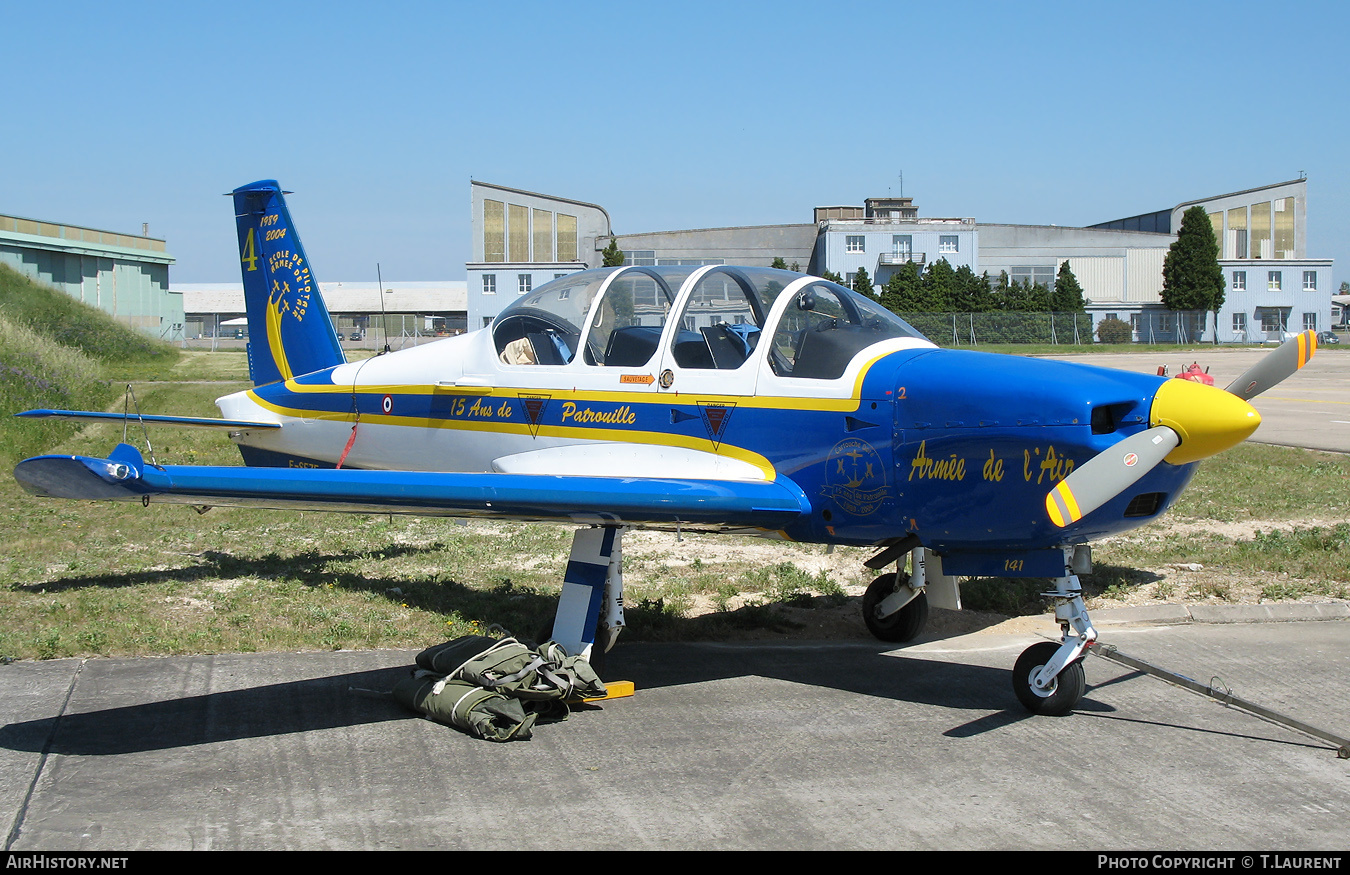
(590, 610)
(1048, 678)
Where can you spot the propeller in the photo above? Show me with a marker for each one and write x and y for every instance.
(1108, 474)
(1293, 354)
(1190, 422)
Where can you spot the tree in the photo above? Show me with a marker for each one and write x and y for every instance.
(974, 294)
(862, 283)
(902, 292)
(779, 263)
(832, 277)
(613, 255)
(1192, 278)
(1113, 330)
(1068, 294)
(939, 288)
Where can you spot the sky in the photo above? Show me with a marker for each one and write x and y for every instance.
(671, 116)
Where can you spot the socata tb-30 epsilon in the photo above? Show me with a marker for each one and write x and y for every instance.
(701, 399)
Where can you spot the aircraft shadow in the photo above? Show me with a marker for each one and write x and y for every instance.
(308, 566)
(361, 698)
(275, 709)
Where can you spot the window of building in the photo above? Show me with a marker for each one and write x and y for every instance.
(567, 237)
(1309, 321)
(639, 257)
(855, 243)
(902, 244)
(1235, 243)
(523, 283)
(1272, 319)
(1284, 227)
(1239, 280)
(1260, 237)
(1309, 280)
(517, 233)
(489, 284)
(558, 276)
(1044, 276)
(1164, 321)
(1273, 281)
(494, 231)
(543, 235)
(1240, 322)
(949, 243)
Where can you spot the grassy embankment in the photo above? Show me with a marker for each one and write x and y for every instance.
(120, 579)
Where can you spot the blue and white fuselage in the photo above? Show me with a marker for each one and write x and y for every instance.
(900, 437)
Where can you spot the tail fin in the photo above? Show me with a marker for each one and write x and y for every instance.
(284, 306)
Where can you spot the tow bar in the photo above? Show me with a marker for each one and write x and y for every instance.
(1219, 692)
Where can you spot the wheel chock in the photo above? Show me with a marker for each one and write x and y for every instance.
(613, 690)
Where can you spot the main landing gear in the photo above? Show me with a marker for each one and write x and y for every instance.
(895, 606)
(902, 624)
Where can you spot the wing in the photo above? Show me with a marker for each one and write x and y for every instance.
(153, 419)
(654, 501)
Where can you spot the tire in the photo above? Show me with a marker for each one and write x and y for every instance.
(1068, 688)
(905, 624)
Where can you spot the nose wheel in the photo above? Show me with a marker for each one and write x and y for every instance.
(1054, 698)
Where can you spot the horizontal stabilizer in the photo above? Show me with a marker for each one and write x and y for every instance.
(180, 421)
(768, 505)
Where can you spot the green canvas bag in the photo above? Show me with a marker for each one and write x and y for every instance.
(479, 712)
(510, 667)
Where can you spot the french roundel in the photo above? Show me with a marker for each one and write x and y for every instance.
(387, 404)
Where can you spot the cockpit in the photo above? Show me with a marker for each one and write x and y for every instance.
(708, 318)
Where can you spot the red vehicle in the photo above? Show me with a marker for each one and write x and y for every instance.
(1195, 374)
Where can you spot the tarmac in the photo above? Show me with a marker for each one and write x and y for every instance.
(811, 746)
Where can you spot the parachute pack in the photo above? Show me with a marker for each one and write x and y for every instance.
(497, 688)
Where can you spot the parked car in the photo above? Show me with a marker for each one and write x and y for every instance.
(355, 335)
(1327, 337)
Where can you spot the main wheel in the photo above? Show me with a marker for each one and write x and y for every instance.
(1064, 693)
(905, 623)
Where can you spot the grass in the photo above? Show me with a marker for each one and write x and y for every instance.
(67, 322)
(58, 352)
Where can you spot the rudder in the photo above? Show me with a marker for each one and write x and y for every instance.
(290, 331)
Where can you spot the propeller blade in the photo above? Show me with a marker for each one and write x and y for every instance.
(1291, 355)
(1108, 474)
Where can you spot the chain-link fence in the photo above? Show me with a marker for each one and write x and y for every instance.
(972, 329)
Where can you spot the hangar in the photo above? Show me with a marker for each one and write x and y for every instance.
(405, 313)
(126, 275)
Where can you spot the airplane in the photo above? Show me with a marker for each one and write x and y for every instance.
(708, 399)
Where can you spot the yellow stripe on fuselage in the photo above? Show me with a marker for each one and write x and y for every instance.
(588, 433)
